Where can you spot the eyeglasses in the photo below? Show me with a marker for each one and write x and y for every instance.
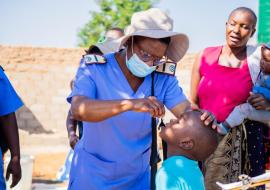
(147, 57)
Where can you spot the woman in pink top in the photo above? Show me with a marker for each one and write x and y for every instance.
(221, 81)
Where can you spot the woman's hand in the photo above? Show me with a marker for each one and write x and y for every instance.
(150, 104)
(14, 169)
(259, 102)
(208, 118)
(73, 139)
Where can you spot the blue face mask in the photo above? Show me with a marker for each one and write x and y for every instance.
(137, 67)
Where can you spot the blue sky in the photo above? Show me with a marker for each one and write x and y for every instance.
(55, 23)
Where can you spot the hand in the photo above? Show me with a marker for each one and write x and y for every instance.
(150, 104)
(259, 102)
(73, 139)
(208, 118)
(14, 168)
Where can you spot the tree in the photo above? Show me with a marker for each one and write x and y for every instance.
(114, 13)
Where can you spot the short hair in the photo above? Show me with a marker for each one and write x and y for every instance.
(205, 138)
(245, 9)
(93, 50)
(166, 40)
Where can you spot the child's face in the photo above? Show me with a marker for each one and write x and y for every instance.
(168, 133)
(175, 129)
(265, 60)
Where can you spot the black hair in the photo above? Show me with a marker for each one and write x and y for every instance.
(93, 50)
(166, 40)
(245, 9)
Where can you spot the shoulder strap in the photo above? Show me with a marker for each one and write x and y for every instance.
(154, 158)
(168, 68)
(94, 59)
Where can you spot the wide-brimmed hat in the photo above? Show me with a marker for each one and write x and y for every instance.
(154, 23)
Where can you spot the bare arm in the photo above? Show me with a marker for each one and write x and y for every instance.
(179, 109)
(71, 125)
(195, 79)
(10, 130)
(85, 109)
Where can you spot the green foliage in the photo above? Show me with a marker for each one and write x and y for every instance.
(264, 21)
(113, 13)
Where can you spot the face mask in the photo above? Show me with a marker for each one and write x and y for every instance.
(137, 67)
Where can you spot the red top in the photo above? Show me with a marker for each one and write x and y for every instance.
(222, 88)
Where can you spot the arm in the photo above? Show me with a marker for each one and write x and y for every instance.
(246, 111)
(241, 112)
(71, 125)
(195, 79)
(179, 109)
(10, 129)
(259, 115)
(86, 109)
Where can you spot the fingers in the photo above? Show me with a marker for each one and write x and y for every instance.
(258, 106)
(8, 173)
(158, 109)
(254, 98)
(15, 180)
(16, 176)
(73, 141)
(257, 101)
(214, 124)
(150, 104)
(207, 117)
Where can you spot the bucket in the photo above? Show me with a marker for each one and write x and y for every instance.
(25, 183)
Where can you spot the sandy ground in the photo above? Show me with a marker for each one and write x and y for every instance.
(45, 169)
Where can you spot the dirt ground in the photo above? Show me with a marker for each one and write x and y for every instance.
(47, 165)
(45, 169)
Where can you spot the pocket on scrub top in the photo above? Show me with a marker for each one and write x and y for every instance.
(98, 167)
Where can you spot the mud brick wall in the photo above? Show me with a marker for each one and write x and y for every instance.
(41, 77)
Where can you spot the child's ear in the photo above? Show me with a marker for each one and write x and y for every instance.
(186, 143)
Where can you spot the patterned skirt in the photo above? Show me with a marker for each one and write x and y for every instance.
(241, 151)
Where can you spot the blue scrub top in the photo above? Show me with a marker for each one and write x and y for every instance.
(9, 100)
(116, 152)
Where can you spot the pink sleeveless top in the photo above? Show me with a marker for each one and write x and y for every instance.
(222, 88)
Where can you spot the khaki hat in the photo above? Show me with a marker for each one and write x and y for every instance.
(154, 23)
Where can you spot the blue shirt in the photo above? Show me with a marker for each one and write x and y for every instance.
(9, 100)
(262, 85)
(179, 173)
(115, 153)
